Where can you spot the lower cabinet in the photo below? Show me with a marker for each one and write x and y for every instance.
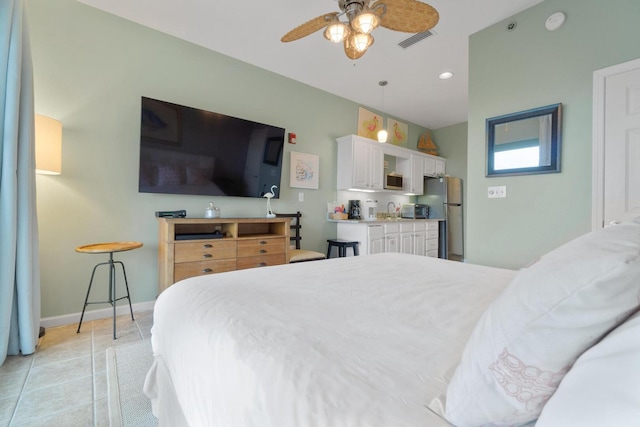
(407, 237)
(431, 241)
(375, 240)
(392, 237)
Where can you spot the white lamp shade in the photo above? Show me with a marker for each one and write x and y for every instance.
(336, 32)
(361, 41)
(48, 145)
(366, 22)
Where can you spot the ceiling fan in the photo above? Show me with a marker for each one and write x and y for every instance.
(364, 16)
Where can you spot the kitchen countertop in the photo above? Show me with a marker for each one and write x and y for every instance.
(380, 221)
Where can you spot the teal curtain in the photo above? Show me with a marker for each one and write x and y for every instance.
(19, 263)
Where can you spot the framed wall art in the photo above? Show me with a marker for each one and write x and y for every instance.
(369, 123)
(398, 132)
(304, 170)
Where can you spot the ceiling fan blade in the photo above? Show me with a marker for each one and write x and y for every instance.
(409, 16)
(309, 27)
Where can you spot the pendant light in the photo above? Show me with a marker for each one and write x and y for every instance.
(382, 133)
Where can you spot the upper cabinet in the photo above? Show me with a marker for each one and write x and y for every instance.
(434, 166)
(361, 165)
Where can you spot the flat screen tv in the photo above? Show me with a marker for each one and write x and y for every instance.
(185, 150)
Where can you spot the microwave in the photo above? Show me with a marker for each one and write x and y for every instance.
(415, 211)
(393, 181)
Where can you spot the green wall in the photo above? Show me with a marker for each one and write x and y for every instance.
(532, 67)
(452, 145)
(90, 70)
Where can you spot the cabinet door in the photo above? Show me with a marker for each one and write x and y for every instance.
(376, 244)
(392, 242)
(406, 243)
(368, 166)
(360, 164)
(440, 166)
(430, 166)
(417, 175)
(376, 164)
(420, 243)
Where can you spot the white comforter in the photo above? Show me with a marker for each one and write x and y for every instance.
(357, 341)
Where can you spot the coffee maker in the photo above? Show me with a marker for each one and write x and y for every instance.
(355, 211)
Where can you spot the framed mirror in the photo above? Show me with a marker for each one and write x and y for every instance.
(524, 143)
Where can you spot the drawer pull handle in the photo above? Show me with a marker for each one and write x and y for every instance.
(263, 242)
(207, 270)
(207, 246)
(207, 256)
(263, 251)
(262, 264)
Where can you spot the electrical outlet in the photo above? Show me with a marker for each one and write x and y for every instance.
(301, 197)
(496, 192)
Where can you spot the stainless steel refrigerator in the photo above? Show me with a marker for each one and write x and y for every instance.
(444, 197)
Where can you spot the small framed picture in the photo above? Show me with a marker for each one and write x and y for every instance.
(272, 151)
(398, 132)
(304, 170)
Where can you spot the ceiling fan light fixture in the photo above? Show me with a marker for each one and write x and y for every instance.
(336, 32)
(361, 41)
(365, 22)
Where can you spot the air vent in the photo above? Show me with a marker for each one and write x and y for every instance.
(415, 39)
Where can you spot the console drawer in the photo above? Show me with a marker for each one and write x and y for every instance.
(200, 268)
(204, 250)
(261, 261)
(249, 248)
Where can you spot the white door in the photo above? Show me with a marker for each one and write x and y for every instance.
(616, 144)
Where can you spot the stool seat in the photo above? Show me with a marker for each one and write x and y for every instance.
(342, 246)
(103, 248)
(108, 248)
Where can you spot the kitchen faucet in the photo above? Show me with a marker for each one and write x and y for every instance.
(394, 207)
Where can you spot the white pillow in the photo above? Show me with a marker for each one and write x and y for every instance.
(603, 386)
(528, 338)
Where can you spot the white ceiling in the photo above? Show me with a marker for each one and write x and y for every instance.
(414, 92)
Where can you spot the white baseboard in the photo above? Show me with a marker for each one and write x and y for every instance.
(103, 313)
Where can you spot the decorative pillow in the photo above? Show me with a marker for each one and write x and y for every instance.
(603, 386)
(169, 175)
(528, 338)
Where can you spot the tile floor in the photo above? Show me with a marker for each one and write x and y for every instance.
(64, 383)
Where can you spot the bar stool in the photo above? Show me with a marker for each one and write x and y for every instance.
(110, 248)
(342, 246)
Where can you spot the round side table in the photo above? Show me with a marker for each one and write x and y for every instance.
(108, 248)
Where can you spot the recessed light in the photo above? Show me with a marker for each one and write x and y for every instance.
(446, 75)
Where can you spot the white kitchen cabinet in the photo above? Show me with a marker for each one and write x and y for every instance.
(412, 170)
(413, 237)
(375, 239)
(431, 241)
(370, 236)
(409, 237)
(434, 166)
(360, 164)
(392, 237)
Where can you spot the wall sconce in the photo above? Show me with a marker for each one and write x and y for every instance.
(48, 146)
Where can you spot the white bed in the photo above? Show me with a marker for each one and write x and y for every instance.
(357, 341)
(394, 340)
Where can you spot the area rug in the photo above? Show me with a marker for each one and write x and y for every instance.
(127, 367)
